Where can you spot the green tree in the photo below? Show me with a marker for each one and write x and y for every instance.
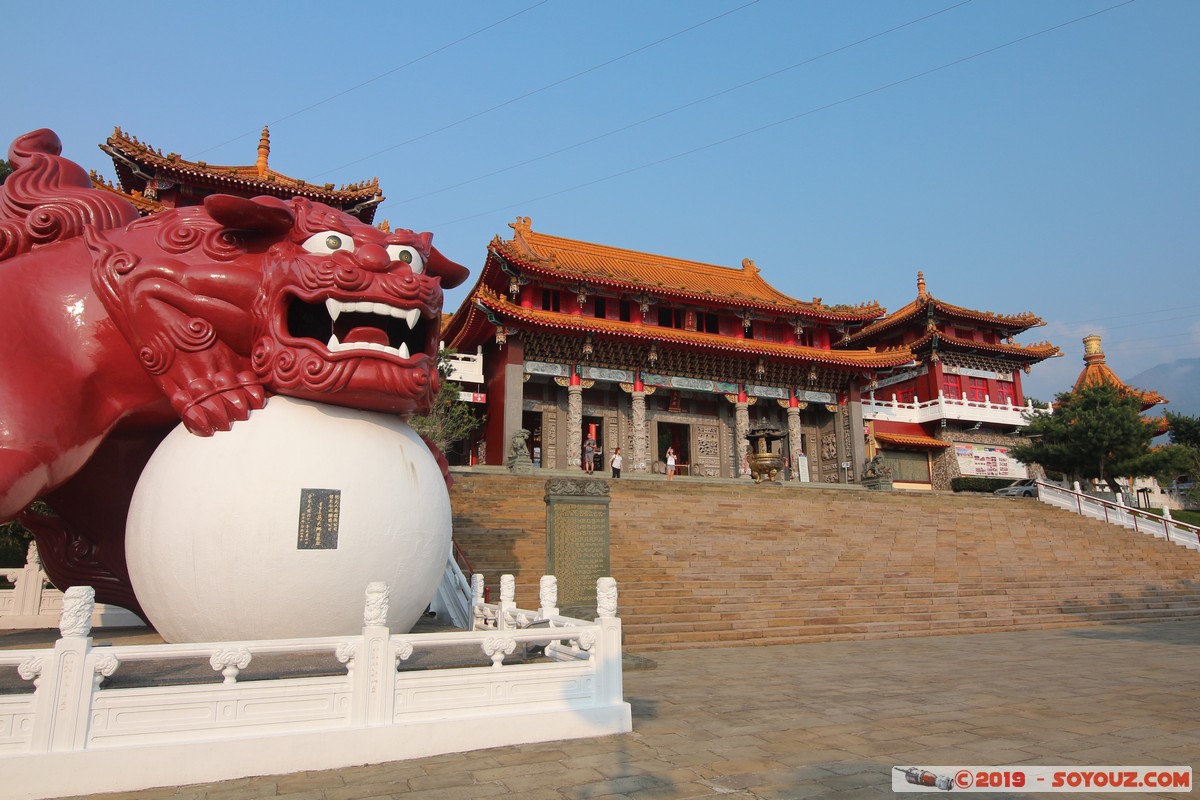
(1184, 432)
(5, 169)
(1097, 432)
(450, 420)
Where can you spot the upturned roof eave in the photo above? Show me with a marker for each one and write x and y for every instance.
(673, 336)
(1010, 324)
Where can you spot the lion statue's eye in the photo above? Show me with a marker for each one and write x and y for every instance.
(329, 242)
(408, 255)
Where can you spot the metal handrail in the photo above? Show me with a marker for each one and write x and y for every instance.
(1162, 523)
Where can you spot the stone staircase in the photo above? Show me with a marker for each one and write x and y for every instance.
(722, 563)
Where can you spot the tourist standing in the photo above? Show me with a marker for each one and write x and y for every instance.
(670, 463)
(616, 462)
(589, 455)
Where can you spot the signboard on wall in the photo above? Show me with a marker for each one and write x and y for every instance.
(988, 461)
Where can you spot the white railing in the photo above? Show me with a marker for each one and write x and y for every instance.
(396, 697)
(466, 367)
(1120, 514)
(33, 603)
(950, 408)
(452, 602)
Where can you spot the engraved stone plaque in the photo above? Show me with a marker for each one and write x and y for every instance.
(319, 512)
(577, 543)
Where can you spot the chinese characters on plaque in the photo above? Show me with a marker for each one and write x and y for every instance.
(319, 512)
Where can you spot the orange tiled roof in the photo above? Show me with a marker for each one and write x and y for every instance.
(1032, 353)
(597, 264)
(144, 205)
(127, 152)
(1097, 373)
(904, 434)
(502, 308)
(909, 440)
(1014, 323)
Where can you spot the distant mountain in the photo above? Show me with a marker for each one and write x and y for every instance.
(1178, 381)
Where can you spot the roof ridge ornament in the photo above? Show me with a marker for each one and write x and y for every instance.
(748, 266)
(523, 225)
(921, 290)
(264, 151)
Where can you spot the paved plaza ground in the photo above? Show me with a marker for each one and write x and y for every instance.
(829, 721)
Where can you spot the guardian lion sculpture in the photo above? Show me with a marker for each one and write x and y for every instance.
(115, 328)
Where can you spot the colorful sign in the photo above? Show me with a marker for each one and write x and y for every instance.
(988, 461)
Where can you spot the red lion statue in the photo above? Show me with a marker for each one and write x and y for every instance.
(116, 328)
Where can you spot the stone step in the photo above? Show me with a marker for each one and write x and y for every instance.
(709, 564)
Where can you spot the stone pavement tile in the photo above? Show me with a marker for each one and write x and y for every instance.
(391, 772)
(875, 778)
(736, 766)
(632, 784)
(543, 768)
(677, 791)
(443, 780)
(458, 792)
(558, 779)
(539, 793)
(882, 749)
(360, 791)
(524, 755)
(246, 789)
(301, 794)
(300, 781)
(457, 762)
(310, 794)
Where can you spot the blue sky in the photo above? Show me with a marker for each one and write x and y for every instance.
(841, 145)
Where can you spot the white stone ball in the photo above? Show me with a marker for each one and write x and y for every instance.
(224, 542)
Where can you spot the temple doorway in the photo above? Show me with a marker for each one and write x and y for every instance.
(593, 427)
(677, 435)
(532, 422)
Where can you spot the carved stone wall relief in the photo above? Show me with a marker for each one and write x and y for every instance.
(708, 450)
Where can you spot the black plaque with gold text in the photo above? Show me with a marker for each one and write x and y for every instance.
(319, 512)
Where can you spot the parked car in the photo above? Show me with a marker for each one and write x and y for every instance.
(1026, 487)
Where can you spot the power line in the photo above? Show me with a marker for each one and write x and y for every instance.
(539, 90)
(1131, 314)
(793, 118)
(1156, 321)
(380, 76)
(660, 115)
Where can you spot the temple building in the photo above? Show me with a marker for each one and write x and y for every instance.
(646, 352)
(957, 409)
(154, 182)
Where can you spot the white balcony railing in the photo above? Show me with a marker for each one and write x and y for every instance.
(467, 367)
(948, 408)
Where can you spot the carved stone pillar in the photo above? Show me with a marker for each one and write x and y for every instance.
(574, 426)
(793, 424)
(742, 419)
(639, 460)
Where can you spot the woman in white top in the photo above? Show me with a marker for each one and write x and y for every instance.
(670, 463)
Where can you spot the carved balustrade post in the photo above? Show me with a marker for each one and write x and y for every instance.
(607, 648)
(67, 679)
